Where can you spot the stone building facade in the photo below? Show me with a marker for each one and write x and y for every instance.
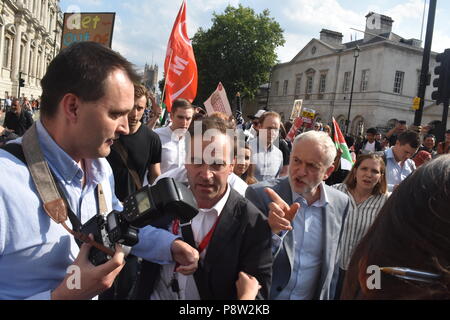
(386, 78)
(30, 36)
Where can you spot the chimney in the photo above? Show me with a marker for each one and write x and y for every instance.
(332, 38)
(377, 24)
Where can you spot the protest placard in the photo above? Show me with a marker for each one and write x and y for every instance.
(296, 109)
(218, 101)
(97, 27)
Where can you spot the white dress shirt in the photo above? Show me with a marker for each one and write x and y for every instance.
(201, 225)
(173, 151)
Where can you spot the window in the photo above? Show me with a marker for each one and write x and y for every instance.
(35, 6)
(347, 81)
(22, 57)
(309, 84)
(323, 83)
(285, 87)
(50, 26)
(276, 87)
(30, 62)
(398, 82)
(38, 66)
(365, 80)
(298, 81)
(6, 51)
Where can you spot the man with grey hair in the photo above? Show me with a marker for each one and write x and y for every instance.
(306, 217)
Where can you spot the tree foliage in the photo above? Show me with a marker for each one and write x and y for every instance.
(238, 50)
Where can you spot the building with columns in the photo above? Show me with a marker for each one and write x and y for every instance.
(386, 79)
(30, 36)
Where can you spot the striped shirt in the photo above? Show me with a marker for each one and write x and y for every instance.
(359, 218)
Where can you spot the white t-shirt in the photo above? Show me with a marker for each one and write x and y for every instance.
(369, 147)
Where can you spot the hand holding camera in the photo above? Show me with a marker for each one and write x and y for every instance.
(167, 199)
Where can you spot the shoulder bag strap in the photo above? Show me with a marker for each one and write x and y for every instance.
(120, 149)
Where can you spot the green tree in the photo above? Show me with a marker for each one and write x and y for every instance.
(238, 50)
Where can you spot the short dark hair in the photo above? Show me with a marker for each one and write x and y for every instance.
(81, 69)
(212, 122)
(372, 131)
(409, 137)
(181, 104)
(430, 136)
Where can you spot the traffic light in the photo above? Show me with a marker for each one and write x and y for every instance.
(442, 82)
(21, 82)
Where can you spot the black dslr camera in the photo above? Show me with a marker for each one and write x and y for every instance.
(167, 199)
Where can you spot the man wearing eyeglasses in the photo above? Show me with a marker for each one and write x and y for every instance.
(266, 156)
(229, 232)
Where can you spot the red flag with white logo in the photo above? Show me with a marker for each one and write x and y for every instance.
(180, 67)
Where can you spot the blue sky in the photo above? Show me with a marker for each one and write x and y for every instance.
(143, 26)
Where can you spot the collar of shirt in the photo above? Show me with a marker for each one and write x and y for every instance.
(218, 207)
(173, 137)
(206, 218)
(63, 165)
(390, 154)
(322, 202)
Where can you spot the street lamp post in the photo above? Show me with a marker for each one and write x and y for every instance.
(355, 55)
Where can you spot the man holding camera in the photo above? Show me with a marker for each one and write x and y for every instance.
(87, 94)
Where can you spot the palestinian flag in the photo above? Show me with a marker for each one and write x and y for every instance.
(339, 141)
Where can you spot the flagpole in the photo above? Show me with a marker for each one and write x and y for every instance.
(167, 75)
(164, 117)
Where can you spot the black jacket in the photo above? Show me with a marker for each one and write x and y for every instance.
(20, 123)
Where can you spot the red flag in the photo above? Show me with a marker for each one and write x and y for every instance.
(180, 67)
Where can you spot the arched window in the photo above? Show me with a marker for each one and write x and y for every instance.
(341, 121)
(357, 128)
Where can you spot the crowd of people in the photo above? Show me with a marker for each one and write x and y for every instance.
(277, 219)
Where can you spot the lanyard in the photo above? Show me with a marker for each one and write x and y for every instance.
(204, 243)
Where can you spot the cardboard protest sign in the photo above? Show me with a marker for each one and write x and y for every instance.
(97, 27)
(308, 117)
(218, 101)
(297, 125)
(296, 109)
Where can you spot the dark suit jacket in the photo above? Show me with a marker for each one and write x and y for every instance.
(241, 242)
(333, 221)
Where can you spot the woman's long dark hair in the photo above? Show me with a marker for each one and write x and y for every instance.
(412, 231)
(249, 175)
